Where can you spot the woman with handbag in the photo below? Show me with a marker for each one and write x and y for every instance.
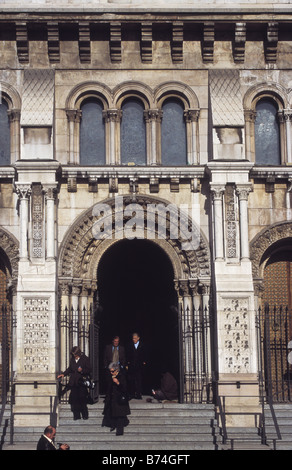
(116, 406)
(79, 368)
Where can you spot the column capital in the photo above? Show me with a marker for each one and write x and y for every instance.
(73, 115)
(112, 115)
(243, 190)
(153, 115)
(50, 191)
(23, 190)
(192, 115)
(217, 191)
(250, 115)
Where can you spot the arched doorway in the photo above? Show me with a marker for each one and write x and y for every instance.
(272, 268)
(136, 293)
(85, 259)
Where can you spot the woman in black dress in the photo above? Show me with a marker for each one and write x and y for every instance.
(79, 367)
(116, 407)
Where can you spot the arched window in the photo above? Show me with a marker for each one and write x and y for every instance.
(267, 133)
(92, 133)
(173, 133)
(133, 132)
(4, 135)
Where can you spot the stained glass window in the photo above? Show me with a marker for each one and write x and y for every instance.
(92, 134)
(267, 134)
(4, 135)
(133, 133)
(173, 134)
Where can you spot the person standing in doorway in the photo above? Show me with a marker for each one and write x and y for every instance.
(79, 368)
(136, 358)
(115, 352)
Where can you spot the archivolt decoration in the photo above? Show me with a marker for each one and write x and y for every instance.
(259, 248)
(10, 245)
(81, 251)
(113, 98)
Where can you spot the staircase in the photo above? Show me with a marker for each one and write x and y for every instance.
(283, 414)
(153, 426)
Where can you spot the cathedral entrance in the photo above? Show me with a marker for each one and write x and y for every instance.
(136, 294)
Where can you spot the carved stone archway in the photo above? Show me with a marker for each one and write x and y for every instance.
(261, 249)
(82, 250)
(10, 246)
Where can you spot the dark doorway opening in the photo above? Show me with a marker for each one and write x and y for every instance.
(136, 293)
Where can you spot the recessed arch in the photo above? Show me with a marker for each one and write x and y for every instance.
(86, 90)
(264, 244)
(132, 89)
(80, 251)
(273, 91)
(10, 247)
(178, 90)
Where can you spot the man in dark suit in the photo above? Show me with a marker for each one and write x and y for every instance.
(115, 353)
(136, 357)
(46, 441)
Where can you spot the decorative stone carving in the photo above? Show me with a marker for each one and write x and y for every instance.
(263, 241)
(37, 221)
(38, 98)
(80, 247)
(208, 41)
(10, 246)
(231, 222)
(235, 333)
(36, 335)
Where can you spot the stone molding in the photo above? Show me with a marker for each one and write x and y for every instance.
(262, 242)
(80, 252)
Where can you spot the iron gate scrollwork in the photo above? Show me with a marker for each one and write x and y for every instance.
(77, 327)
(275, 347)
(7, 323)
(196, 361)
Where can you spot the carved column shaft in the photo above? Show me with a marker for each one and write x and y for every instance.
(243, 192)
(23, 191)
(217, 192)
(192, 119)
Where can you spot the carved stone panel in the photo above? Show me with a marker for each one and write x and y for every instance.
(36, 335)
(236, 341)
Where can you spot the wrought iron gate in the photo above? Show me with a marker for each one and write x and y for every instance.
(275, 347)
(196, 358)
(77, 328)
(6, 331)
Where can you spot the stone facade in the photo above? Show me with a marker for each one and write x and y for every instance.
(219, 66)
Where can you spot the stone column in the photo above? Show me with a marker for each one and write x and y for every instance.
(242, 192)
(50, 195)
(192, 119)
(112, 119)
(74, 312)
(153, 119)
(250, 117)
(288, 125)
(74, 117)
(14, 119)
(217, 194)
(23, 191)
